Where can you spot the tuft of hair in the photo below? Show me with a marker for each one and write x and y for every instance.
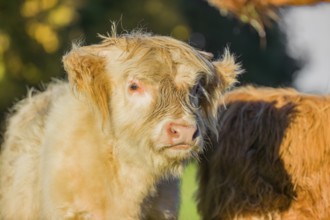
(229, 69)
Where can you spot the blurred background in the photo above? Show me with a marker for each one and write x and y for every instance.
(34, 35)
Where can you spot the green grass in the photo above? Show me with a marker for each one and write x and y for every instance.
(188, 209)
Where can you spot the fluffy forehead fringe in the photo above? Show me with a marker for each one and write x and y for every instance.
(134, 41)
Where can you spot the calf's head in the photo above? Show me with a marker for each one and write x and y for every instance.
(156, 95)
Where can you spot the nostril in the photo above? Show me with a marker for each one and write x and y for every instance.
(172, 131)
(180, 132)
(196, 134)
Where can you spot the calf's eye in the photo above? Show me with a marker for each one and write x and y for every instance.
(197, 90)
(134, 87)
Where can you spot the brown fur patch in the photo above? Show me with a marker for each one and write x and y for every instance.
(271, 158)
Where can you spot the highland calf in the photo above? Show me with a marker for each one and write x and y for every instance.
(271, 158)
(135, 108)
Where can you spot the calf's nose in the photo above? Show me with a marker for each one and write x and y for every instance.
(180, 132)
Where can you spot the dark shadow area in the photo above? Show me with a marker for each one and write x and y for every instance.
(164, 203)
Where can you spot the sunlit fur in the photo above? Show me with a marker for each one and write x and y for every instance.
(91, 148)
(271, 159)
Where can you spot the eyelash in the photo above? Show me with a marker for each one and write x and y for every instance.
(197, 90)
(196, 95)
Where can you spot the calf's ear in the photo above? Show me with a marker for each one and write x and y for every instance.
(87, 74)
(227, 69)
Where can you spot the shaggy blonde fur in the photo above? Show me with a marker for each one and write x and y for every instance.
(271, 160)
(94, 148)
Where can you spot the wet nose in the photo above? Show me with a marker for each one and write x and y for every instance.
(180, 132)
